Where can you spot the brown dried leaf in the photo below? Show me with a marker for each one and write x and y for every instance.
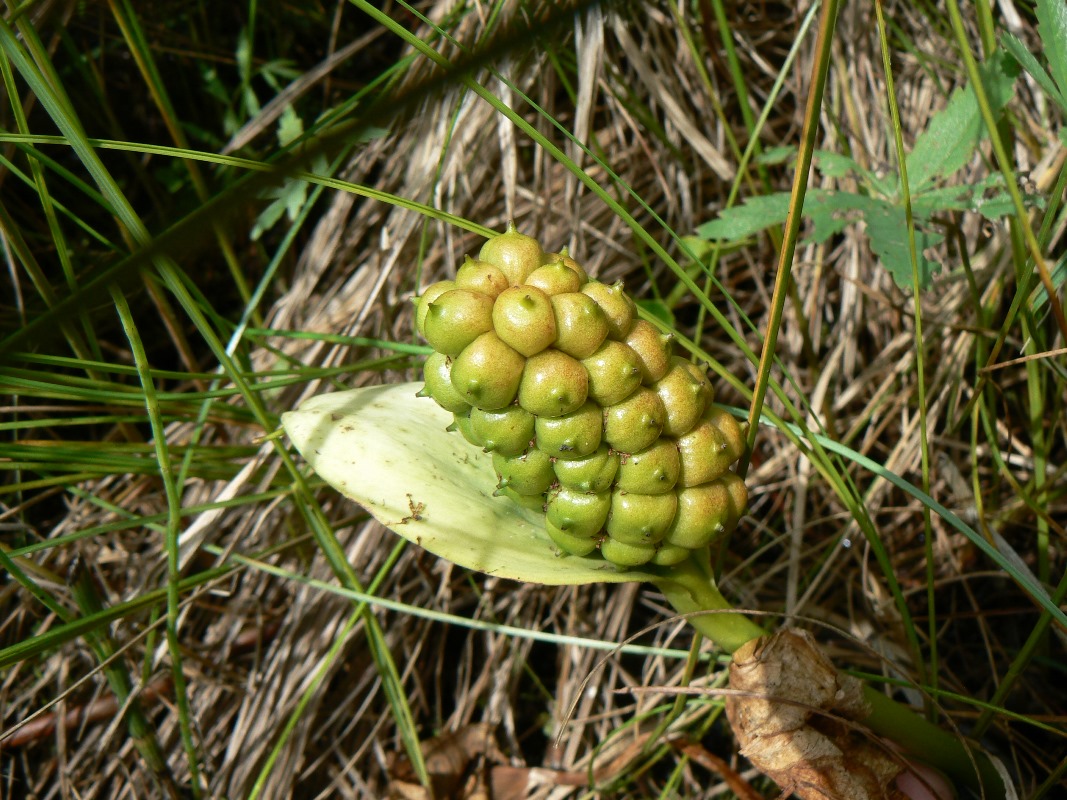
(791, 716)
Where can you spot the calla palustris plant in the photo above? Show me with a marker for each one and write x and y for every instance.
(557, 440)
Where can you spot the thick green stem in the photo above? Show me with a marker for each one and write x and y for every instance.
(690, 587)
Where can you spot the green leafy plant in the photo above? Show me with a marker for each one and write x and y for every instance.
(940, 151)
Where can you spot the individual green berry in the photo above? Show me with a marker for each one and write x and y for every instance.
(422, 302)
(565, 257)
(437, 374)
(614, 373)
(523, 317)
(534, 502)
(462, 423)
(683, 396)
(578, 513)
(653, 350)
(626, 555)
(669, 555)
(555, 278)
(653, 470)
(700, 375)
(640, 518)
(568, 543)
(617, 305)
(732, 431)
(704, 454)
(594, 473)
(488, 372)
(553, 384)
(456, 318)
(509, 431)
(581, 324)
(574, 435)
(707, 512)
(515, 253)
(635, 423)
(528, 474)
(479, 276)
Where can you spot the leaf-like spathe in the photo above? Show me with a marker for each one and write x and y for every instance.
(388, 450)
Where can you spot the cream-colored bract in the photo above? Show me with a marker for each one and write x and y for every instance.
(389, 451)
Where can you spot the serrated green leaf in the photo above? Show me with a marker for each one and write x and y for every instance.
(388, 450)
(832, 212)
(752, 216)
(290, 126)
(837, 165)
(1052, 28)
(1017, 50)
(888, 232)
(949, 140)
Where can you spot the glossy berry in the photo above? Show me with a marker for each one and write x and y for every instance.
(572, 436)
(508, 431)
(581, 325)
(553, 384)
(516, 254)
(653, 470)
(565, 257)
(578, 513)
(555, 278)
(627, 555)
(437, 374)
(569, 543)
(422, 302)
(456, 318)
(479, 276)
(617, 305)
(635, 423)
(528, 474)
(640, 518)
(594, 473)
(653, 350)
(523, 317)
(488, 372)
(683, 396)
(707, 512)
(614, 373)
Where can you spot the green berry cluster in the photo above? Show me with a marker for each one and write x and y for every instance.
(588, 415)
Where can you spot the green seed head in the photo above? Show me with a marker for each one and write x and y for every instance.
(553, 384)
(568, 543)
(509, 431)
(422, 302)
(564, 256)
(704, 454)
(614, 373)
(437, 372)
(523, 317)
(594, 473)
(708, 512)
(581, 325)
(478, 276)
(684, 397)
(640, 518)
(487, 373)
(653, 350)
(635, 423)
(653, 470)
(528, 474)
(617, 305)
(555, 278)
(456, 318)
(578, 513)
(574, 435)
(626, 555)
(516, 254)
